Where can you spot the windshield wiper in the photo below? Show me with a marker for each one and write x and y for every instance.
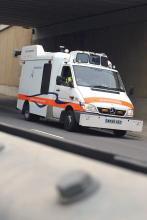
(98, 86)
(107, 88)
(102, 87)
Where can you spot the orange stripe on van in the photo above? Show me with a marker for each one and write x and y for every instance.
(107, 100)
(50, 102)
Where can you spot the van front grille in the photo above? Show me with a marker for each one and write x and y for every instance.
(111, 111)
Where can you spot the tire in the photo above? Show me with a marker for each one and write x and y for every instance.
(70, 123)
(28, 116)
(119, 133)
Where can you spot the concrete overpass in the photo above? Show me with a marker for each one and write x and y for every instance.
(40, 13)
(116, 27)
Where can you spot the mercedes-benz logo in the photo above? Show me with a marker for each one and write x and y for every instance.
(112, 111)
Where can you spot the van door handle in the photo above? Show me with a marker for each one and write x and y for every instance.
(58, 90)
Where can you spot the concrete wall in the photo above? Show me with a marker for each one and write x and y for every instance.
(10, 39)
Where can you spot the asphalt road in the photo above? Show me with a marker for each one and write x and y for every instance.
(131, 148)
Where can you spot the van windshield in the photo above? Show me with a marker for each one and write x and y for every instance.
(98, 78)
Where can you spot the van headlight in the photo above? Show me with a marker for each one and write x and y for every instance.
(130, 112)
(90, 108)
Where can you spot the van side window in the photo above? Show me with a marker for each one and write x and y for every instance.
(82, 58)
(46, 78)
(66, 76)
(104, 61)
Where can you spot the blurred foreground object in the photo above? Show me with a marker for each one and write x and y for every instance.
(30, 172)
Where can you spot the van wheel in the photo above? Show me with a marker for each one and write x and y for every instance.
(119, 133)
(70, 123)
(28, 116)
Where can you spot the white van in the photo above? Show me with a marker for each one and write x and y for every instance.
(76, 88)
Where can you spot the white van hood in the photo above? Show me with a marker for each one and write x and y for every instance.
(105, 99)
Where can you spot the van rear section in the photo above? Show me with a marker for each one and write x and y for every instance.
(77, 89)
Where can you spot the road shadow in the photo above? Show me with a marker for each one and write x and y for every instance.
(8, 102)
(88, 131)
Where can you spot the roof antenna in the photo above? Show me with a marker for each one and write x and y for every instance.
(62, 48)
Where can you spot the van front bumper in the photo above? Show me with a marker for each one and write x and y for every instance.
(115, 123)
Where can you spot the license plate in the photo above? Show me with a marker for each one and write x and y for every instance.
(113, 121)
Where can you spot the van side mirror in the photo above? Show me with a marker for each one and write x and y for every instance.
(59, 80)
